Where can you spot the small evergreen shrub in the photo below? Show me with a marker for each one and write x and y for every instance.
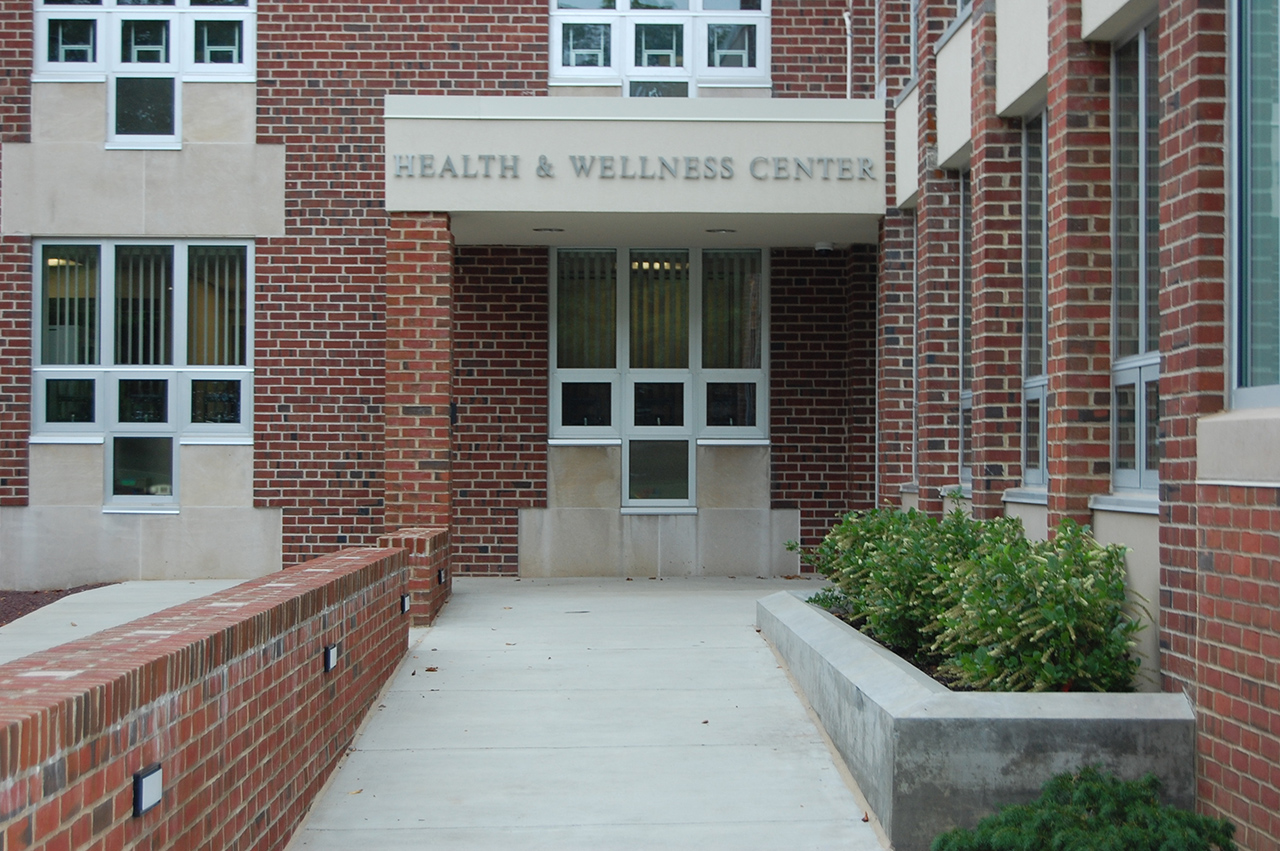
(1091, 811)
(980, 603)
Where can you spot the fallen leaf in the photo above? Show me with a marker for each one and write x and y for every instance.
(511, 644)
(433, 668)
(866, 817)
(356, 792)
(706, 722)
(73, 623)
(413, 673)
(507, 608)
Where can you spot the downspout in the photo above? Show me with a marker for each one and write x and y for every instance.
(848, 54)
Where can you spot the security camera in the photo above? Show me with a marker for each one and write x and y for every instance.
(824, 249)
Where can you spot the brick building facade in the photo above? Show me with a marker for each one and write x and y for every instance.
(994, 245)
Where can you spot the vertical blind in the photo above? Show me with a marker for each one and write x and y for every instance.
(732, 312)
(70, 300)
(660, 310)
(217, 293)
(586, 310)
(144, 304)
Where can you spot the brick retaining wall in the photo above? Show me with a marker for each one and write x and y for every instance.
(227, 693)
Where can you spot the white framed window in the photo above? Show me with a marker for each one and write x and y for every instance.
(656, 350)
(1256, 364)
(145, 345)
(660, 48)
(1135, 365)
(1035, 304)
(144, 51)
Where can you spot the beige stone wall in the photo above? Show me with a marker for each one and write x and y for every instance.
(1141, 534)
(66, 538)
(66, 183)
(584, 532)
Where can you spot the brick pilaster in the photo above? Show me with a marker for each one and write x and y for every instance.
(937, 285)
(419, 359)
(996, 177)
(895, 364)
(1078, 337)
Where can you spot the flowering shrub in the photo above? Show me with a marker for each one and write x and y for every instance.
(982, 604)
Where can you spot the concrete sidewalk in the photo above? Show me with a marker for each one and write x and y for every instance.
(81, 615)
(591, 714)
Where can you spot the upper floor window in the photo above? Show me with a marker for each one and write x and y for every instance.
(1258, 210)
(144, 50)
(660, 48)
(1135, 364)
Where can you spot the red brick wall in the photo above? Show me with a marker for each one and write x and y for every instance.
(861, 272)
(233, 702)
(430, 577)
(323, 68)
(811, 361)
(419, 369)
(15, 263)
(1219, 545)
(996, 176)
(810, 47)
(1235, 648)
(1193, 250)
(895, 295)
(937, 291)
(895, 364)
(1078, 337)
(500, 386)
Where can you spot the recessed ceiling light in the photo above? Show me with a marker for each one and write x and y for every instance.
(548, 230)
(721, 230)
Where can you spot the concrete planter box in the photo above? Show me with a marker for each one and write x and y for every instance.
(929, 759)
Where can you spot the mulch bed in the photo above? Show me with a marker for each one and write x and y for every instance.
(15, 604)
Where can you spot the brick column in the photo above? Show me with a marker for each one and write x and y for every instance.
(419, 370)
(1193, 251)
(1078, 338)
(895, 295)
(937, 287)
(996, 175)
(895, 362)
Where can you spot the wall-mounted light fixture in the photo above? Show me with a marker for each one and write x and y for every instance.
(404, 604)
(330, 657)
(440, 576)
(148, 789)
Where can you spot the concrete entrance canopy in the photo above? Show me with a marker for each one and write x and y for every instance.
(648, 172)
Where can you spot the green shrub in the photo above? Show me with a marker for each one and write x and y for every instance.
(1037, 616)
(884, 563)
(976, 599)
(1091, 811)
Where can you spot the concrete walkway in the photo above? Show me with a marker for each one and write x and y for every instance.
(591, 714)
(83, 614)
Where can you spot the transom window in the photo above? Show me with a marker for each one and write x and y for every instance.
(144, 50)
(659, 349)
(660, 48)
(143, 345)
